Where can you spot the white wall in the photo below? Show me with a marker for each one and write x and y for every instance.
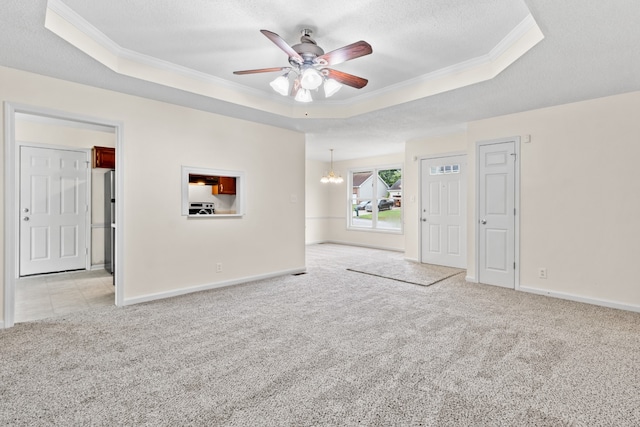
(61, 135)
(316, 203)
(580, 203)
(164, 251)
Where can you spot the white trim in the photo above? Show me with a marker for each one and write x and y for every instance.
(97, 267)
(439, 156)
(10, 215)
(1, 324)
(209, 286)
(471, 279)
(585, 300)
(516, 202)
(11, 192)
(362, 245)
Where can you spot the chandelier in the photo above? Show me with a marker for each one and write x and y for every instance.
(331, 176)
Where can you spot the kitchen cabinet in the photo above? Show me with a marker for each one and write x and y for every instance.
(226, 185)
(104, 157)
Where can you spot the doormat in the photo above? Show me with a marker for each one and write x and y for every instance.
(408, 272)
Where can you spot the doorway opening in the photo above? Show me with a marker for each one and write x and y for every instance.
(41, 254)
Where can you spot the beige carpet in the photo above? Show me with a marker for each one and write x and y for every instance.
(328, 348)
(407, 271)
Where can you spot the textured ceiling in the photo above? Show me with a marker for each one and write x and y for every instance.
(219, 37)
(589, 50)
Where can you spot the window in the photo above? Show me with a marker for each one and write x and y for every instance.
(375, 199)
(446, 169)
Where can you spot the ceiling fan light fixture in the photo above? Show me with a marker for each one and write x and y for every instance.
(311, 79)
(331, 87)
(303, 95)
(281, 84)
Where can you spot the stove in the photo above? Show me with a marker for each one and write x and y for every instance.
(201, 208)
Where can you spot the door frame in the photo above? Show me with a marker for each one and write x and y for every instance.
(420, 223)
(516, 231)
(12, 193)
(87, 152)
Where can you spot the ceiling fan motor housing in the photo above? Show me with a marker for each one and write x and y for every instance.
(307, 48)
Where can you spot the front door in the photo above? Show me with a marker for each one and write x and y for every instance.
(443, 211)
(496, 214)
(53, 210)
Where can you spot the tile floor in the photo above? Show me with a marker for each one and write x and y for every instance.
(52, 295)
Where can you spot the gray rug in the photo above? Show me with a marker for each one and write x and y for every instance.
(408, 272)
(323, 349)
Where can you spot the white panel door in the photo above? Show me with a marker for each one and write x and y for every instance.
(496, 214)
(443, 211)
(53, 210)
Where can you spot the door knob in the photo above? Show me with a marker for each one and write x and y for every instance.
(484, 221)
(25, 210)
(424, 219)
(26, 218)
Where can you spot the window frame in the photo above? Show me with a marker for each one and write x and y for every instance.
(374, 200)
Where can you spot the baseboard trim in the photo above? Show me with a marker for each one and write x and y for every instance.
(361, 245)
(1, 324)
(412, 260)
(577, 298)
(471, 279)
(209, 286)
(97, 267)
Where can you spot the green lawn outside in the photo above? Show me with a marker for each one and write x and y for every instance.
(393, 215)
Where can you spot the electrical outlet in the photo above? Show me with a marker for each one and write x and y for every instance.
(542, 273)
(219, 267)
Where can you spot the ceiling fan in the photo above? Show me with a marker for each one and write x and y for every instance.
(309, 67)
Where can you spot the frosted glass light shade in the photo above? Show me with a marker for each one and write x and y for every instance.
(311, 79)
(303, 95)
(281, 85)
(330, 87)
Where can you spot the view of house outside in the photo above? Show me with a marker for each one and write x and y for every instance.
(376, 199)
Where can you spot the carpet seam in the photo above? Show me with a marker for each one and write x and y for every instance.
(406, 281)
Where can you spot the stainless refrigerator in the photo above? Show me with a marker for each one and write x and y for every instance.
(110, 221)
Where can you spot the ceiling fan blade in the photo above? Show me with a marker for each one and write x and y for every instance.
(262, 70)
(278, 41)
(345, 78)
(352, 51)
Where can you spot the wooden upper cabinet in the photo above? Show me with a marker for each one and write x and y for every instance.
(104, 157)
(226, 185)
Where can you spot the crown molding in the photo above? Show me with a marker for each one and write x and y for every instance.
(67, 24)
